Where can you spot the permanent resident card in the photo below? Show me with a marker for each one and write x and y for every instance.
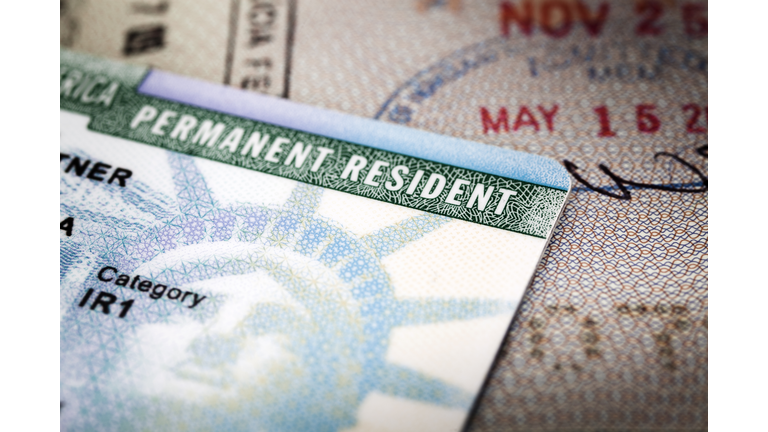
(235, 261)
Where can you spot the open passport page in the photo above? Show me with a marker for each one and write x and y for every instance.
(235, 261)
(612, 332)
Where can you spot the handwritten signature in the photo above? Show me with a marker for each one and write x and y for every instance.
(622, 183)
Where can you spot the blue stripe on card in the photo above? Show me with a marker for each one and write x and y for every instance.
(372, 133)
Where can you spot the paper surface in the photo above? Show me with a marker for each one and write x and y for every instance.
(613, 333)
(223, 272)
